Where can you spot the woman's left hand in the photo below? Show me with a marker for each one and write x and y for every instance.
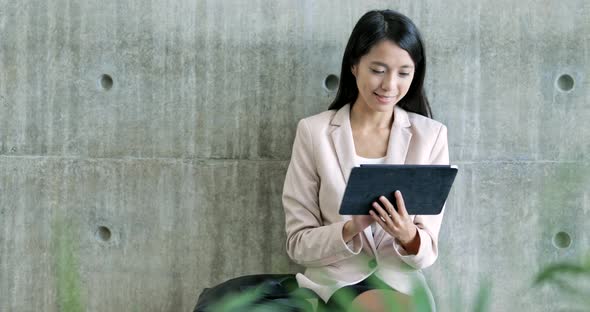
(397, 223)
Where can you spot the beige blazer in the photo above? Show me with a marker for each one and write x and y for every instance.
(322, 158)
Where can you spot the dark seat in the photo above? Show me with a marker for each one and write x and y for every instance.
(260, 292)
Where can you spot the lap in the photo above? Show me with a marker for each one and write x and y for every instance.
(372, 294)
(382, 300)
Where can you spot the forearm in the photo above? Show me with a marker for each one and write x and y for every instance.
(413, 245)
(349, 231)
(320, 246)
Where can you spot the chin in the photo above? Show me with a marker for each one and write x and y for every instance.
(383, 108)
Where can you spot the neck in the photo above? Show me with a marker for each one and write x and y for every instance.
(362, 117)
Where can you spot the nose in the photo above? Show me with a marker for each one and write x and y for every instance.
(389, 82)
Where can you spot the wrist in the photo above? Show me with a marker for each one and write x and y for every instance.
(413, 243)
(349, 230)
(411, 237)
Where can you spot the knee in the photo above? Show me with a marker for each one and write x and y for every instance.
(382, 300)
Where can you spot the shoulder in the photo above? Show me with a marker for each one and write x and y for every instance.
(318, 121)
(424, 124)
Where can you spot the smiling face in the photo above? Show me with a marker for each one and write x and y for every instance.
(383, 76)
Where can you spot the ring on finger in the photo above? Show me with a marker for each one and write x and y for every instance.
(382, 219)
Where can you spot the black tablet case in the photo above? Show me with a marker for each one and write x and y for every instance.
(424, 187)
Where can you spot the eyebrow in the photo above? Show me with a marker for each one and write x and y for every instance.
(385, 65)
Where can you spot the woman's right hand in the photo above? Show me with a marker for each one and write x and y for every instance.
(356, 225)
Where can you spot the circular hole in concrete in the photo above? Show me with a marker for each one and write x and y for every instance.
(562, 240)
(565, 83)
(106, 82)
(331, 82)
(103, 233)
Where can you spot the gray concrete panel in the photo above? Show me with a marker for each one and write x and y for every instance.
(189, 79)
(501, 232)
(175, 227)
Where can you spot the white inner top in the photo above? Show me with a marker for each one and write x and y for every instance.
(369, 161)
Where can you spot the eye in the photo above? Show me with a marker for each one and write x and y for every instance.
(377, 71)
(404, 74)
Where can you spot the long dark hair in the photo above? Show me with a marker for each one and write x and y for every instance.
(372, 28)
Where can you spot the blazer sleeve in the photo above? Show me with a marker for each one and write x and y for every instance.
(309, 241)
(428, 225)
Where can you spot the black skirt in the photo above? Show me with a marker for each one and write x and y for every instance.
(343, 297)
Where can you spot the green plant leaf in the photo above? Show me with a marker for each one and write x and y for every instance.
(559, 269)
(483, 297)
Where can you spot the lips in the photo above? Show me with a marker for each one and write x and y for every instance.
(383, 99)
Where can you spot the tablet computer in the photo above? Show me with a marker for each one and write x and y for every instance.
(425, 188)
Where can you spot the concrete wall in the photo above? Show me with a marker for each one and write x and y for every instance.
(136, 195)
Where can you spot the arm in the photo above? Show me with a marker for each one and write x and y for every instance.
(428, 226)
(309, 241)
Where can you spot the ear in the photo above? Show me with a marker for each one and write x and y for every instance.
(354, 69)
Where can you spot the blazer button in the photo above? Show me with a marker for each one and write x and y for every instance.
(372, 263)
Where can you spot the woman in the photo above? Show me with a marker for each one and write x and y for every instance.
(380, 115)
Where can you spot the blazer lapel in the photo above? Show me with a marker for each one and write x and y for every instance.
(399, 137)
(343, 142)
